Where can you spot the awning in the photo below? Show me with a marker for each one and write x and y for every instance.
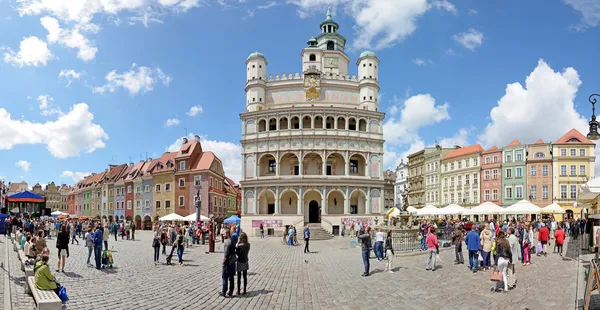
(25, 196)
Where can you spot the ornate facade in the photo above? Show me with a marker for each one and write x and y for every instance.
(401, 183)
(461, 175)
(312, 143)
(416, 183)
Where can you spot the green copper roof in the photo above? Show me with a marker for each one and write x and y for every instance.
(367, 53)
(328, 17)
(257, 54)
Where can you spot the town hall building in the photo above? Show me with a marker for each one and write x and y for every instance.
(312, 142)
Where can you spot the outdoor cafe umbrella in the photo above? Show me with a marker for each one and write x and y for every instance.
(522, 207)
(172, 217)
(553, 209)
(451, 209)
(484, 209)
(428, 210)
(192, 218)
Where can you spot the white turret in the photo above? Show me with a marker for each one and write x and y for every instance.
(256, 76)
(368, 76)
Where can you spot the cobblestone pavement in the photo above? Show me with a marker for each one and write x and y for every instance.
(285, 278)
(3, 270)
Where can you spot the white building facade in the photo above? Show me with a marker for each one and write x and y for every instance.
(312, 142)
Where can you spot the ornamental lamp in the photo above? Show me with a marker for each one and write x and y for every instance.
(593, 134)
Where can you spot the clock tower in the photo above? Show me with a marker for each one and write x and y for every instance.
(312, 84)
(326, 51)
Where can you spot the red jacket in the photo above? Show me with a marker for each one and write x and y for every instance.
(543, 234)
(560, 236)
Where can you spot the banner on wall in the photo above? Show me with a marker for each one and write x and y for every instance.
(355, 220)
(267, 223)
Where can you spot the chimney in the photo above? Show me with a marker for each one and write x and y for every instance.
(197, 138)
(130, 164)
(185, 140)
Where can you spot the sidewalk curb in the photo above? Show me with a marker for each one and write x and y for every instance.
(7, 296)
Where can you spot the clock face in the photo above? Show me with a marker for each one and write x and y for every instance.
(331, 62)
(311, 81)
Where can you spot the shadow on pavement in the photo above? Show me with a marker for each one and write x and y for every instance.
(70, 274)
(258, 292)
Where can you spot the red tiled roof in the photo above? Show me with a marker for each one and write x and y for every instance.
(514, 143)
(464, 151)
(539, 141)
(188, 148)
(114, 173)
(205, 161)
(161, 164)
(135, 170)
(574, 134)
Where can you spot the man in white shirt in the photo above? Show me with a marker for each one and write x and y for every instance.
(379, 239)
(493, 229)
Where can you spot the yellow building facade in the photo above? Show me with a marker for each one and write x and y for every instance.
(573, 159)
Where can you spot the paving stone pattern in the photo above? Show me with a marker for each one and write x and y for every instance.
(3, 270)
(285, 278)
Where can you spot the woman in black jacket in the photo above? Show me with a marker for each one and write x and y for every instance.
(62, 244)
(242, 250)
(389, 252)
(504, 257)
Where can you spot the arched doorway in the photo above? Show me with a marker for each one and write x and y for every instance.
(314, 215)
(110, 218)
(138, 222)
(147, 223)
(569, 214)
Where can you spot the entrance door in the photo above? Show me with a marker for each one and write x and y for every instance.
(313, 212)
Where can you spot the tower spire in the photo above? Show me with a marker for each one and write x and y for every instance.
(328, 16)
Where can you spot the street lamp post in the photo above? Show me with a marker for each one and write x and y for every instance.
(593, 134)
(211, 235)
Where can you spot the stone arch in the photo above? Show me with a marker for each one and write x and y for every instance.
(358, 201)
(319, 123)
(336, 199)
(267, 164)
(289, 164)
(312, 57)
(341, 123)
(352, 125)
(288, 201)
(312, 164)
(336, 164)
(272, 124)
(147, 222)
(266, 201)
(375, 201)
(249, 196)
(329, 122)
(307, 122)
(138, 222)
(374, 166)
(312, 198)
(250, 164)
(357, 164)
(283, 123)
(262, 125)
(362, 125)
(250, 126)
(295, 122)
(374, 126)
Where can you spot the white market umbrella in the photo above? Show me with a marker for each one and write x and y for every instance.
(57, 213)
(485, 208)
(428, 210)
(451, 209)
(192, 218)
(172, 217)
(522, 207)
(553, 209)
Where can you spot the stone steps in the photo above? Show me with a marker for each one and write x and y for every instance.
(317, 233)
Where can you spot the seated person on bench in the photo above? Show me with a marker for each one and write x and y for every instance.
(44, 280)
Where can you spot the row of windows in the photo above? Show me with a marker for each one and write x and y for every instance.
(459, 180)
(573, 170)
(460, 199)
(459, 164)
(572, 152)
(308, 123)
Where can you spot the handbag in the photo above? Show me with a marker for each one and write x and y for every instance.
(62, 294)
(480, 257)
(155, 243)
(496, 276)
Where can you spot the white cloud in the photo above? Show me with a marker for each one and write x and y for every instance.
(414, 113)
(69, 37)
(378, 23)
(444, 5)
(269, 5)
(172, 122)
(24, 165)
(470, 39)
(229, 153)
(195, 110)
(47, 107)
(473, 12)
(32, 52)
(68, 136)
(590, 11)
(137, 79)
(422, 62)
(69, 75)
(76, 176)
(547, 95)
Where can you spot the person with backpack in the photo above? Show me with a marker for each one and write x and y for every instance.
(228, 269)
(306, 238)
(242, 250)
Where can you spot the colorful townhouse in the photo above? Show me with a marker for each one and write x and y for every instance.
(513, 177)
(64, 198)
(120, 194)
(189, 154)
(108, 183)
(416, 187)
(71, 200)
(539, 173)
(234, 197)
(146, 187)
(461, 175)
(96, 194)
(491, 175)
(133, 195)
(163, 177)
(432, 168)
(573, 165)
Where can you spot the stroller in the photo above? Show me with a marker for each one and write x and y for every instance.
(107, 259)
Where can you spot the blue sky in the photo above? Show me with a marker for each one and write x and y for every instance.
(89, 85)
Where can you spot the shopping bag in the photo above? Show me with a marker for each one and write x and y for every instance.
(496, 276)
(480, 257)
(540, 248)
(62, 294)
(438, 258)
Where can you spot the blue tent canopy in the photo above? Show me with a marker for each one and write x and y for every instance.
(234, 219)
(25, 196)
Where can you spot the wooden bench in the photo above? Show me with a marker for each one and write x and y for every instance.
(44, 299)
